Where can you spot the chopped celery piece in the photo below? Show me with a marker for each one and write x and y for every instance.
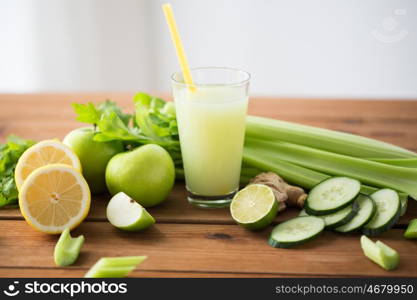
(334, 141)
(390, 256)
(114, 267)
(122, 261)
(109, 272)
(411, 232)
(67, 248)
(379, 253)
(368, 172)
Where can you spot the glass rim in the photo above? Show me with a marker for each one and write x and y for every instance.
(237, 83)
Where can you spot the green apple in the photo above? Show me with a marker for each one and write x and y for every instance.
(93, 156)
(125, 213)
(146, 174)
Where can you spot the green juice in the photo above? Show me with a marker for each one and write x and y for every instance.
(211, 121)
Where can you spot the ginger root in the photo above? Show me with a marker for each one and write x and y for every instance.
(285, 194)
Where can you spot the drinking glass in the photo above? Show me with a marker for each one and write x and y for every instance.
(211, 122)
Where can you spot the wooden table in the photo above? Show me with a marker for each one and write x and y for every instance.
(193, 242)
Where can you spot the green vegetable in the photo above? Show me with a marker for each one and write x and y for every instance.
(67, 248)
(156, 118)
(329, 140)
(9, 155)
(247, 173)
(296, 231)
(400, 162)
(331, 195)
(89, 113)
(368, 172)
(411, 232)
(292, 173)
(338, 218)
(367, 209)
(388, 210)
(114, 267)
(379, 253)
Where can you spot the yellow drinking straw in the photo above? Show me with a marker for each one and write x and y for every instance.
(176, 39)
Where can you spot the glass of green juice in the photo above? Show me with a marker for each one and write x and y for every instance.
(211, 118)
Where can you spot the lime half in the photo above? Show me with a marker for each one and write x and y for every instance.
(254, 207)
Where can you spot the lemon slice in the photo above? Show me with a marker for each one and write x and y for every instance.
(54, 197)
(41, 154)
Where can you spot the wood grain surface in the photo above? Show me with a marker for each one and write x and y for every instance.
(193, 242)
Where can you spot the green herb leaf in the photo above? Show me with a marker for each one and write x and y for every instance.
(110, 106)
(111, 127)
(9, 155)
(156, 118)
(89, 113)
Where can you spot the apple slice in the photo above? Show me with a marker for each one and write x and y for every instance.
(126, 214)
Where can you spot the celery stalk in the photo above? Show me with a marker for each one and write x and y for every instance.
(329, 140)
(247, 173)
(114, 267)
(295, 174)
(399, 162)
(368, 172)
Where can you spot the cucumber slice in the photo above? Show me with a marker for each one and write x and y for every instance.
(379, 253)
(367, 209)
(339, 217)
(388, 209)
(296, 231)
(332, 195)
(411, 232)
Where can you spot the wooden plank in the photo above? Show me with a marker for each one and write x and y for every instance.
(176, 209)
(80, 272)
(205, 249)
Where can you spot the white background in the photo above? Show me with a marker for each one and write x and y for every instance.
(308, 48)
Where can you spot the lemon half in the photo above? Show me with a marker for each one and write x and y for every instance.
(54, 197)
